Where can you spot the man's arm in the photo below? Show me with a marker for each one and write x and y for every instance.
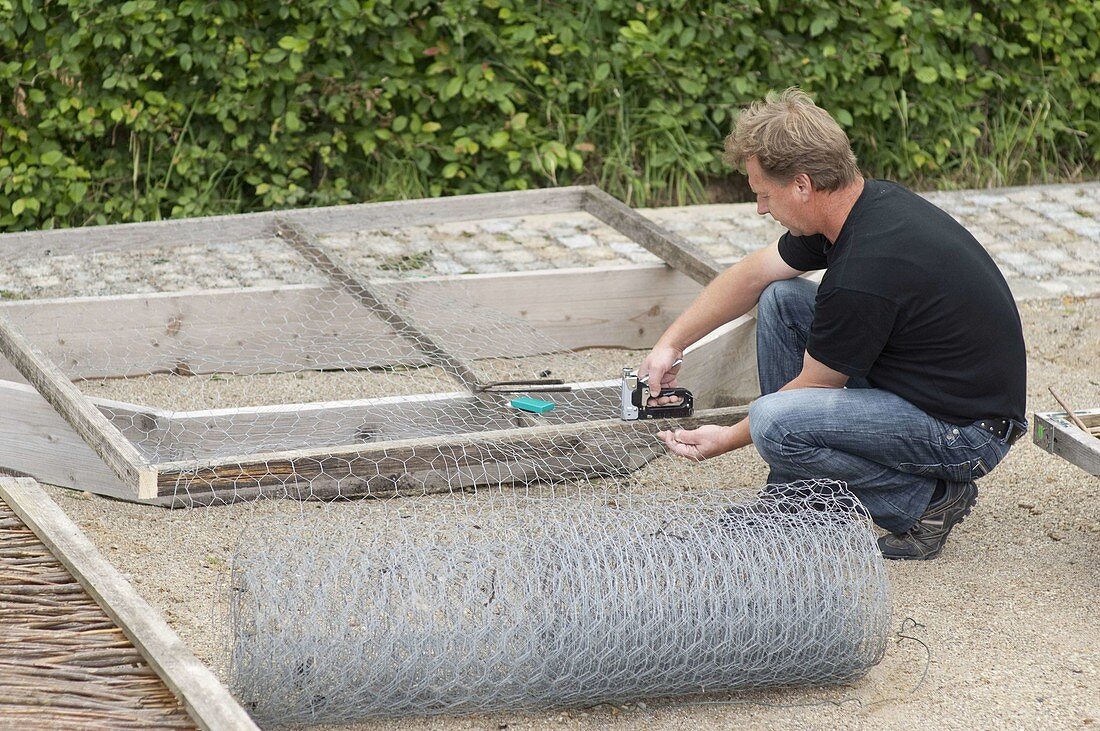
(732, 293)
(710, 440)
(816, 374)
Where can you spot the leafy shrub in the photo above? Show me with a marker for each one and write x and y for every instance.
(146, 109)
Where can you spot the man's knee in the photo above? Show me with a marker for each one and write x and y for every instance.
(782, 424)
(767, 416)
(779, 293)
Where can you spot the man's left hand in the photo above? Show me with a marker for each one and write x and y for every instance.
(705, 442)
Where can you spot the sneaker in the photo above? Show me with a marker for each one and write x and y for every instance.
(925, 539)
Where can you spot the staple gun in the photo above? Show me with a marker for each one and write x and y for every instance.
(635, 395)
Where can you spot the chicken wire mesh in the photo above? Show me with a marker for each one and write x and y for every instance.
(265, 364)
(494, 602)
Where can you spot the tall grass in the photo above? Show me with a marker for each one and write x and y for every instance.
(995, 145)
(1020, 146)
(645, 162)
(392, 176)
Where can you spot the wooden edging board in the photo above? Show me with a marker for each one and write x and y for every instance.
(85, 419)
(331, 219)
(206, 700)
(196, 435)
(674, 250)
(398, 457)
(1055, 433)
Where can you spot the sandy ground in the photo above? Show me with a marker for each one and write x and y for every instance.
(1007, 635)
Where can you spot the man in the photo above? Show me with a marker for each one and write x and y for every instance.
(902, 375)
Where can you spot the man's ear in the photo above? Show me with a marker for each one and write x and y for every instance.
(803, 186)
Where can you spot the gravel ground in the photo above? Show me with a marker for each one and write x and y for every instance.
(1006, 635)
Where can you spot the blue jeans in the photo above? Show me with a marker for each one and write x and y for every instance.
(889, 452)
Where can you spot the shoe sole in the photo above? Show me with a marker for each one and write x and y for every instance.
(936, 553)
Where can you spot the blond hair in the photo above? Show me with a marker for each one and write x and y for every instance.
(788, 134)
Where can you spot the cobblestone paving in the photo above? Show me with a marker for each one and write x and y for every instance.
(1046, 239)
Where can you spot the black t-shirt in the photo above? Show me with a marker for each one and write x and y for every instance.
(911, 301)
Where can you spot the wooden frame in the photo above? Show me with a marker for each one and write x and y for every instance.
(203, 696)
(646, 298)
(1055, 433)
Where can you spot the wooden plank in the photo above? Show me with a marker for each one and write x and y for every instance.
(387, 462)
(249, 226)
(322, 328)
(720, 369)
(64, 459)
(206, 700)
(673, 249)
(1056, 434)
(587, 457)
(36, 441)
(340, 423)
(74, 407)
(433, 211)
(626, 306)
(378, 305)
(243, 331)
(206, 435)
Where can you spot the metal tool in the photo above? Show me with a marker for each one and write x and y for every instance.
(542, 385)
(635, 396)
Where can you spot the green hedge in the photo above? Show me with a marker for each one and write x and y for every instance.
(128, 111)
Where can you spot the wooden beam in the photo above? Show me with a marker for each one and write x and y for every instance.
(720, 369)
(1056, 434)
(36, 441)
(325, 328)
(119, 454)
(242, 331)
(204, 435)
(250, 226)
(385, 463)
(434, 211)
(203, 696)
(377, 304)
(55, 454)
(554, 310)
(673, 249)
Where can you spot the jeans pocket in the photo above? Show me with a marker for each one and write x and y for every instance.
(972, 438)
(962, 471)
(965, 453)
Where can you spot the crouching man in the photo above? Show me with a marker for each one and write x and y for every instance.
(902, 374)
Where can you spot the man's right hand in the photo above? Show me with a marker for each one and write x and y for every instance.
(662, 367)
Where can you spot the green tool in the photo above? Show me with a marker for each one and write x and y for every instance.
(534, 405)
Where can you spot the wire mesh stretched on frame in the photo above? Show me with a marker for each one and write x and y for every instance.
(264, 352)
(475, 605)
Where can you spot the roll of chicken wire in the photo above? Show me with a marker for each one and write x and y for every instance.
(479, 605)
